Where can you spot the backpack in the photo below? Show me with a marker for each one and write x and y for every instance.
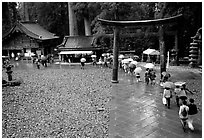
(184, 112)
(193, 109)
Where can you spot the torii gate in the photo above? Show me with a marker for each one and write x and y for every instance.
(119, 24)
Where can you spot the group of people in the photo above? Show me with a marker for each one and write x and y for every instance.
(150, 76)
(41, 60)
(186, 110)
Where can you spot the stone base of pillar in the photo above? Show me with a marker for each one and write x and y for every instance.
(114, 81)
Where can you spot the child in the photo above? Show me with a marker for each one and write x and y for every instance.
(147, 76)
(167, 94)
(183, 114)
(192, 111)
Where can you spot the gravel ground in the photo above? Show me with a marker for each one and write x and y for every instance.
(53, 103)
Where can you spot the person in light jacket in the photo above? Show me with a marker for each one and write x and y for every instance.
(167, 94)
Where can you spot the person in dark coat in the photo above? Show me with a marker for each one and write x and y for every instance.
(191, 113)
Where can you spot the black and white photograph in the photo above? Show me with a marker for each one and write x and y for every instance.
(100, 69)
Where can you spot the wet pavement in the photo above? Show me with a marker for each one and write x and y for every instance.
(136, 110)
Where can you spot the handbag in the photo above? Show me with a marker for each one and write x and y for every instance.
(164, 100)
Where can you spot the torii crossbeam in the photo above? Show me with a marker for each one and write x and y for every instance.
(118, 24)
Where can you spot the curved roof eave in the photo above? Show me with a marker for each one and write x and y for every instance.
(29, 33)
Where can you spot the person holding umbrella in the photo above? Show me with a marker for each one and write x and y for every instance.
(131, 68)
(137, 72)
(180, 92)
(82, 60)
(167, 93)
(94, 59)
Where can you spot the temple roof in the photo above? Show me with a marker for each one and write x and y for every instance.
(78, 43)
(32, 30)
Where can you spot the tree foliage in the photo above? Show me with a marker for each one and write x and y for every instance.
(54, 17)
(9, 15)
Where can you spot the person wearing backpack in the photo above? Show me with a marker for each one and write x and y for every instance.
(183, 114)
(192, 111)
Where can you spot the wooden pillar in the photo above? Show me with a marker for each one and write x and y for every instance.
(162, 50)
(115, 55)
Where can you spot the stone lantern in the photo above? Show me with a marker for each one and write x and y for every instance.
(9, 72)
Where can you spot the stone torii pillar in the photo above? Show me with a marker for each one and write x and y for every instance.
(142, 23)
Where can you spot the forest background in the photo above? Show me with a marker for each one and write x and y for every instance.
(54, 16)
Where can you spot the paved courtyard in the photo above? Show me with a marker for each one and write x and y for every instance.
(66, 101)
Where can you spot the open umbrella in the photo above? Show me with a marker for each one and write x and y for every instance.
(121, 56)
(179, 83)
(93, 55)
(138, 70)
(134, 63)
(104, 54)
(130, 59)
(83, 60)
(149, 65)
(125, 61)
(168, 84)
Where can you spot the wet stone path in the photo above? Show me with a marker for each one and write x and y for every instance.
(137, 112)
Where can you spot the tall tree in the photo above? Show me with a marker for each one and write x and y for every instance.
(9, 15)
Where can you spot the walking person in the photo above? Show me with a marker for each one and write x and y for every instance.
(105, 61)
(37, 63)
(191, 113)
(82, 60)
(167, 94)
(177, 90)
(147, 76)
(152, 77)
(183, 114)
(182, 94)
(137, 72)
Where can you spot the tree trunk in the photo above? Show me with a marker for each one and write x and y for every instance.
(72, 21)
(26, 14)
(6, 23)
(87, 26)
(162, 50)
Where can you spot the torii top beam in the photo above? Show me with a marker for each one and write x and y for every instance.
(141, 22)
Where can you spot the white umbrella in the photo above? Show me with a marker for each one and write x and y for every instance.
(32, 54)
(151, 52)
(149, 65)
(104, 54)
(130, 59)
(121, 56)
(134, 62)
(132, 65)
(125, 61)
(138, 70)
(168, 85)
(179, 83)
(83, 60)
(93, 55)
